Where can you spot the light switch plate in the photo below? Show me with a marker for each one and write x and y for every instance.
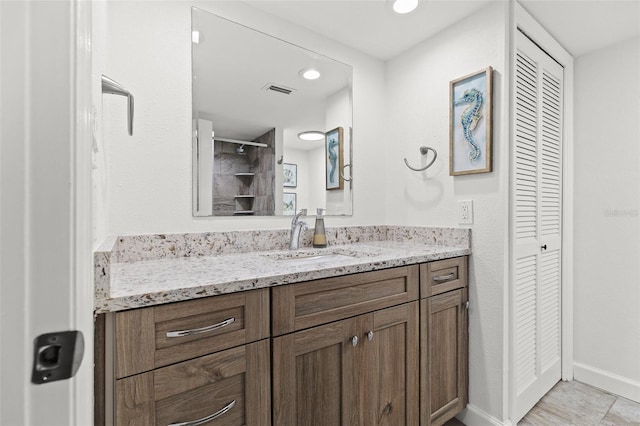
(465, 212)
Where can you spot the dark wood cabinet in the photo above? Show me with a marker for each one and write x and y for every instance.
(387, 347)
(205, 360)
(358, 371)
(444, 347)
(230, 387)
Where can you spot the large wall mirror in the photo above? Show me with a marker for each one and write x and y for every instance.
(251, 102)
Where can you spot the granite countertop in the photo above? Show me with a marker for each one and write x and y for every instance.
(141, 278)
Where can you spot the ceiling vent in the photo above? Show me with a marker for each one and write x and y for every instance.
(279, 88)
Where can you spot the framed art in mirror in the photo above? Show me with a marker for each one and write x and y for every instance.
(289, 201)
(334, 158)
(290, 175)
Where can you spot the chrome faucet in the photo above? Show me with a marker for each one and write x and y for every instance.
(296, 227)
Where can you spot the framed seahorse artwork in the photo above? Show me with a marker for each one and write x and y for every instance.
(334, 160)
(470, 122)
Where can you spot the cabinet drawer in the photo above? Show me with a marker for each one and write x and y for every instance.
(304, 305)
(153, 337)
(442, 276)
(231, 387)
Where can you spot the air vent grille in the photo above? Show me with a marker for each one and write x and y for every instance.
(278, 88)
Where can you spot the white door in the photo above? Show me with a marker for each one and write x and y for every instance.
(536, 218)
(45, 232)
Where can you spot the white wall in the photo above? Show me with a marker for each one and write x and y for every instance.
(607, 222)
(144, 184)
(417, 87)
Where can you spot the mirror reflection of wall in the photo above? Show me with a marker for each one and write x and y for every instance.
(247, 84)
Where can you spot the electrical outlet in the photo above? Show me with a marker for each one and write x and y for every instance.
(465, 212)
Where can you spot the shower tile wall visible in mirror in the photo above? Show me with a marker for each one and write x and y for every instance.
(243, 178)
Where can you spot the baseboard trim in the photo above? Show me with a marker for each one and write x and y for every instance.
(607, 381)
(472, 415)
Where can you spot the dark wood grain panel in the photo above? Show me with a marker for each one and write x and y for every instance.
(197, 388)
(134, 404)
(258, 389)
(395, 364)
(332, 299)
(179, 378)
(204, 401)
(317, 374)
(142, 343)
(99, 367)
(455, 269)
(444, 356)
(135, 342)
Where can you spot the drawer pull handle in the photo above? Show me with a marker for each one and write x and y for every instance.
(207, 329)
(441, 278)
(207, 419)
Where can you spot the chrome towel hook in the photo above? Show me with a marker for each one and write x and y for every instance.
(342, 173)
(424, 150)
(112, 87)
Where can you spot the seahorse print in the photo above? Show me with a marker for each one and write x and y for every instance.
(470, 118)
(333, 159)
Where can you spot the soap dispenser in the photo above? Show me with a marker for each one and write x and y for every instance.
(319, 236)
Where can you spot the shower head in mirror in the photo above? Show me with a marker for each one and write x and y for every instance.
(240, 150)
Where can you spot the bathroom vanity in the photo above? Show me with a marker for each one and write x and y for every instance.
(368, 332)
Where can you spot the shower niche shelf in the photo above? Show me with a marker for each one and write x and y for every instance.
(244, 200)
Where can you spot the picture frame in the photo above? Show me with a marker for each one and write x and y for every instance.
(289, 203)
(334, 158)
(470, 123)
(290, 175)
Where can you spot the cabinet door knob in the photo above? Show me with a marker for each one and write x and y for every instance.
(466, 305)
(370, 335)
(543, 248)
(354, 341)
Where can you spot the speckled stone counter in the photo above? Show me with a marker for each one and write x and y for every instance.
(145, 270)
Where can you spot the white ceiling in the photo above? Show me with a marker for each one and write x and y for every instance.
(372, 27)
(582, 26)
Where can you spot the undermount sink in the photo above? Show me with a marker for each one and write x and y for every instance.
(310, 257)
(318, 258)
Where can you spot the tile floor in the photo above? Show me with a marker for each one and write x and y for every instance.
(576, 404)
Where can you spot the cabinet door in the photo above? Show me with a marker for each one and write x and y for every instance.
(317, 374)
(444, 356)
(393, 368)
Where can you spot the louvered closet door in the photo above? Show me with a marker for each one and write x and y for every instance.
(536, 225)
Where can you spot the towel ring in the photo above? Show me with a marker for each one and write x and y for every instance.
(424, 150)
(342, 173)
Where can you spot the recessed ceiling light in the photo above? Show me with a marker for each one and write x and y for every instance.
(312, 135)
(310, 73)
(404, 6)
